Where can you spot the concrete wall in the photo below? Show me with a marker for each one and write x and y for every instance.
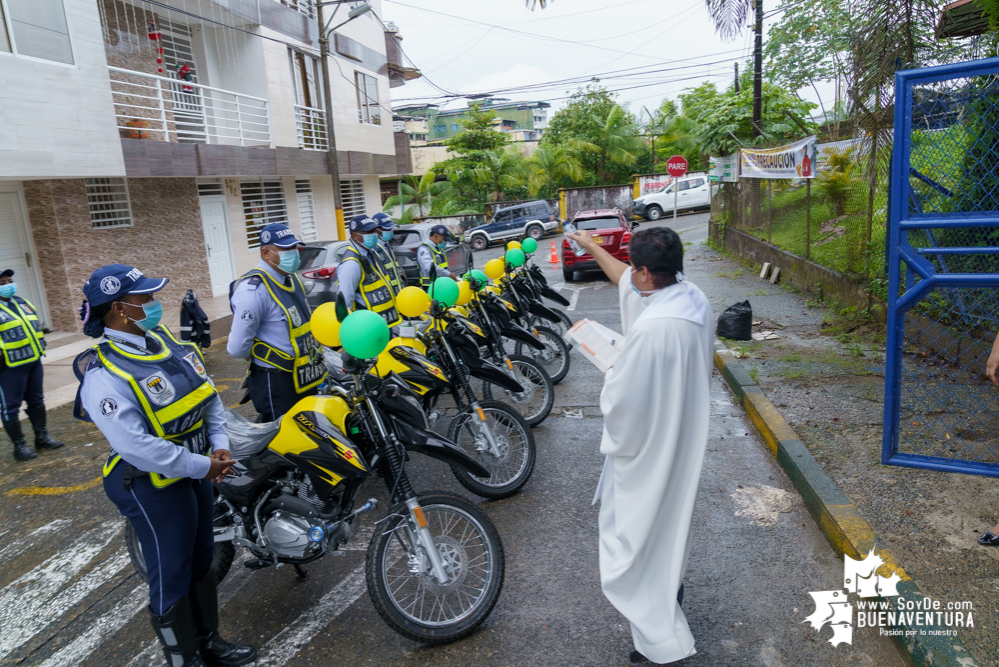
(56, 120)
(490, 207)
(598, 197)
(165, 239)
(456, 223)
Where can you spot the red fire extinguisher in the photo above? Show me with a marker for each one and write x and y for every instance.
(184, 74)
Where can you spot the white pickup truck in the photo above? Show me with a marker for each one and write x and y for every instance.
(692, 192)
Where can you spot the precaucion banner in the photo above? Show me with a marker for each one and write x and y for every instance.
(797, 160)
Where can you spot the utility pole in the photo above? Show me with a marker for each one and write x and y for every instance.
(736, 78)
(758, 72)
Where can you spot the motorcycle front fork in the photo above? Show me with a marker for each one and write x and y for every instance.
(420, 534)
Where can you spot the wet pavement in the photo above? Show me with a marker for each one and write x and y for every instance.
(68, 595)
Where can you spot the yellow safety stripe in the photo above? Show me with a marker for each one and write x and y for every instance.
(110, 464)
(159, 481)
(32, 336)
(146, 407)
(164, 352)
(185, 404)
(370, 287)
(267, 283)
(273, 356)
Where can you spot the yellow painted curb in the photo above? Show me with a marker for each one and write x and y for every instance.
(52, 490)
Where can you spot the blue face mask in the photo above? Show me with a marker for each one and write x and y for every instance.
(153, 311)
(290, 261)
(8, 290)
(442, 245)
(369, 241)
(387, 236)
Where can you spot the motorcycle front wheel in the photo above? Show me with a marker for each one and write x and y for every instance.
(401, 582)
(510, 470)
(535, 402)
(554, 358)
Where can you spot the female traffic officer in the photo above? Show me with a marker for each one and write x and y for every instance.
(150, 396)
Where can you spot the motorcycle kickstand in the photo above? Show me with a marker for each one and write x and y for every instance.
(302, 574)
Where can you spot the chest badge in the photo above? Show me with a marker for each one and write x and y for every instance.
(296, 318)
(159, 389)
(196, 364)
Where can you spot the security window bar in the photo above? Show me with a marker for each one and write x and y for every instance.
(108, 202)
(301, 6)
(352, 194)
(263, 204)
(307, 211)
(211, 188)
(367, 99)
(37, 29)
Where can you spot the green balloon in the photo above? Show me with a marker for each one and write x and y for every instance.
(445, 290)
(364, 334)
(478, 275)
(529, 245)
(516, 256)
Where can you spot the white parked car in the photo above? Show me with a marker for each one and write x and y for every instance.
(692, 192)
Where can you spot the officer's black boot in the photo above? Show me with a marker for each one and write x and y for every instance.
(21, 451)
(42, 438)
(215, 651)
(176, 632)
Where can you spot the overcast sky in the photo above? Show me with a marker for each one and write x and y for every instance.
(474, 46)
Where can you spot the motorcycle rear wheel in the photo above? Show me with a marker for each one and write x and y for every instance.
(554, 358)
(225, 553)
(399, 579)
(535, 402)
(508, 473)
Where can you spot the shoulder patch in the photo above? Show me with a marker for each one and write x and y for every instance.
(247, 316)
(109, 407)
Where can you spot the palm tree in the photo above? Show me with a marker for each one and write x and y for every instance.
(417, 196)
(617, 140)
(551, 166)
(730, 16)
(502, 168)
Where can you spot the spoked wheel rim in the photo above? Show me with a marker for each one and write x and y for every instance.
(530, 402)
(414, 591)
(514, 454)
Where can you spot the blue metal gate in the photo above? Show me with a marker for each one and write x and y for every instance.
(941, 413)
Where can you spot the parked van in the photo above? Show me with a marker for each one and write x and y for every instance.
(692, 192)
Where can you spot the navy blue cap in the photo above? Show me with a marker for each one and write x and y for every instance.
(384, 220)
(114, 281)
(280, 236)
(6, 272)
(363, 224)
(442, 230)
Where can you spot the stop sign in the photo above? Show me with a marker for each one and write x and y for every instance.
(676, 166)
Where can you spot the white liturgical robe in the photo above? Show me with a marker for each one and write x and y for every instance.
(656, 404)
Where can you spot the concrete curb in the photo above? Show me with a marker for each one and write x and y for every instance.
(838, 518)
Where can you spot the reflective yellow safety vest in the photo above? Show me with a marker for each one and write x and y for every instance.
(390, 267)
(306, 366)
(171, 387)
(440, 259)
(374, 287)
(20, 332)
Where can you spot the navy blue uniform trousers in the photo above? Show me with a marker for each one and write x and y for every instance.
(273, 392)
(20, 383)
(174, 525)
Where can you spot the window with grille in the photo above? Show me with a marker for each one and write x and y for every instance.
(263, 204)
(211, 188)
(367, 99)
(352, 194)
(307, 211)
(108, 201)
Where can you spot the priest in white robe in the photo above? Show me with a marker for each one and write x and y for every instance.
(656, 404)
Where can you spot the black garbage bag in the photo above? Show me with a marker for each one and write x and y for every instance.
(736, 323)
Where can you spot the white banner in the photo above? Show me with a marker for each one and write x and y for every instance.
(797, 160)
(724, 169)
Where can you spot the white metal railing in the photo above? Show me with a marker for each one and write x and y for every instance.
(164, 109)
(302, 6)
(311, 123)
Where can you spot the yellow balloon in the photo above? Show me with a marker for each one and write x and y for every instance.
(494, 268)
(325, 325)
(412, 301)
(513, 244)
(465, 293)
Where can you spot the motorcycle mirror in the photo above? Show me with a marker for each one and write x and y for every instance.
(341, 308)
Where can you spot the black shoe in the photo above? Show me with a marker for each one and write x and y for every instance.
(175, 630)
(679, 596)
(988, 539)
(215, 651)
(42, 438)
(21, 451)
(637, 658)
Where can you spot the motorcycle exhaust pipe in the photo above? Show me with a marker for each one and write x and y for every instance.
(319, 533)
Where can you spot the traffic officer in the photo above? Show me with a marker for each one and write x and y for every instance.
(362, 280)
(432, 258)
(21, 374)
(271, 327)
(150, 396)
(385, 253)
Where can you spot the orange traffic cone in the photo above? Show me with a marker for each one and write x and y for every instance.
(554, 257)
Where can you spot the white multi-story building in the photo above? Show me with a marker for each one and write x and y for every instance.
(166, 134)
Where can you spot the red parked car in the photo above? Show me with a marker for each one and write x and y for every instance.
(609, 228)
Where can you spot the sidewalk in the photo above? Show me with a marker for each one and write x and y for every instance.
(63, 347)
(825, 374)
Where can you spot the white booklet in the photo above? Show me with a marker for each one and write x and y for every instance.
(596, 342)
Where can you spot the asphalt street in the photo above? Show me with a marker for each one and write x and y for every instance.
(69, 596)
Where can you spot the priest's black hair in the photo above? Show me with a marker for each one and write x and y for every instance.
(659, 250)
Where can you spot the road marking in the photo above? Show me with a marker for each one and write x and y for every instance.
(572, 300)
(17, 547)
(576, 289)
(52, 490)
(35, 599)
(287, 643)
(83, 646)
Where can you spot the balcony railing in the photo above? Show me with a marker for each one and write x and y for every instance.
(302, 6)
(311, 123)
(165, 109)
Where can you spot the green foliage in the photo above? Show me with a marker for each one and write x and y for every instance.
(840, 180)
(551, 168)
(479, 160)
(419, 196)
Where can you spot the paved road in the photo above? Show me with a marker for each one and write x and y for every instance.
(68, 595)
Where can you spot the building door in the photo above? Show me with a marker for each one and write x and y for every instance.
(15, 253)
(216, 225)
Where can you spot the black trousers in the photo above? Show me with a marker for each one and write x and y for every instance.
(20, 384)
(273, 392)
